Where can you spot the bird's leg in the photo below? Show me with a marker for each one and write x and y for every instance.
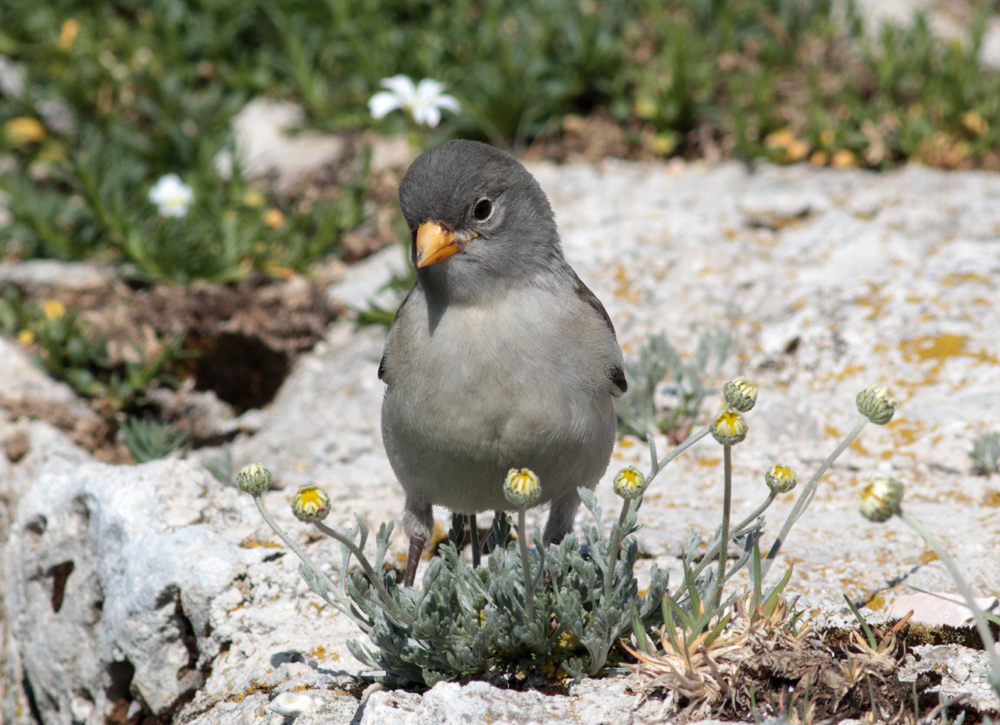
(416, 549)
(474, 535)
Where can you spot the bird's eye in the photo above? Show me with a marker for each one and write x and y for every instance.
(484, 207)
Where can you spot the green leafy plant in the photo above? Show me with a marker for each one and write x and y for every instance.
(985, 454)
(641, 410)
(465, 622)
(68, 350)
(149, 440)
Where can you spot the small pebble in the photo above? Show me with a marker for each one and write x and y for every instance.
(291, 704)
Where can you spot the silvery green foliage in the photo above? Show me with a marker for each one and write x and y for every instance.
(585, 606)
(985, 454)
(658, 359)
(465, 622)
(150, 440)
(695, 562)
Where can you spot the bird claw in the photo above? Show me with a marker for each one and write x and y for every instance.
(416, 549)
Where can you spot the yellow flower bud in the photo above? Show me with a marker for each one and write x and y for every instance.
(23, 130)
(311, 504)
(875, 404)
(67, 34)
(630, 483)
(522, 487)
(740, 393)
(780, 478)
(253, 479)
(880, 498)
(53, 309)
(729, 427)
(273, 218)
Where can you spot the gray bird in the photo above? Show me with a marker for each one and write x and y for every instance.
(499, 357)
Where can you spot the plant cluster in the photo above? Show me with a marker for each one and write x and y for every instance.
(985, 454)
(70, 351)
(793, 80)
(563, 609)
(117, 123)
(643, 410)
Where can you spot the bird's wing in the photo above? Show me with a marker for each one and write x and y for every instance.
(615, 367)
(395, 322)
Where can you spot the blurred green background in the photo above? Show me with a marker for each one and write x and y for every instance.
(111, 96)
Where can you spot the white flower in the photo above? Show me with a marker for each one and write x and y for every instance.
(171, 196)
(423, 101)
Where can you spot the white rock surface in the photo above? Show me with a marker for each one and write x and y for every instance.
(267, 143)
(25, 382)
(109, 579)
(448, 703)
(832, 279)
(962, 671)
(65, 275)
(937, 609)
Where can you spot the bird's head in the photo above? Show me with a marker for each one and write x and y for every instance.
(477, 219)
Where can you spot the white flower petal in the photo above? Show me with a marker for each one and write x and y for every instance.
(402, 86)
(164, 187)
(383, 103)
(427, 115)
(171, 196)
(428, 89)
(448, 103)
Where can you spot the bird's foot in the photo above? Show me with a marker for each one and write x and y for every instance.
(476, 544)
(416, 549)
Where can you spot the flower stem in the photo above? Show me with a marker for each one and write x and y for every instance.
(736, 532)
(614, 543)
(529, 588)
(690, 441)
(806, 497)
(259, 500)
(626, 506)
(727, 502)
(365, 565)
(981, 625)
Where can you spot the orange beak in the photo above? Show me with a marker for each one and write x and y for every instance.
(435, 243)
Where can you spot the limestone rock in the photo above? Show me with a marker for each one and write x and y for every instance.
(109, 577)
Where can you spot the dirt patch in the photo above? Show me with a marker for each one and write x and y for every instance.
(771, 666)
(237, 341)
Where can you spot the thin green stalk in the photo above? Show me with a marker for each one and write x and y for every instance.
(727, 502)
(808, 492)
(964, 589)
(615, 542)
(691, 440)
(737, 531)
(529, 588)
(363, 561)
(259, 500)
(626, 507)
(331, 586)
